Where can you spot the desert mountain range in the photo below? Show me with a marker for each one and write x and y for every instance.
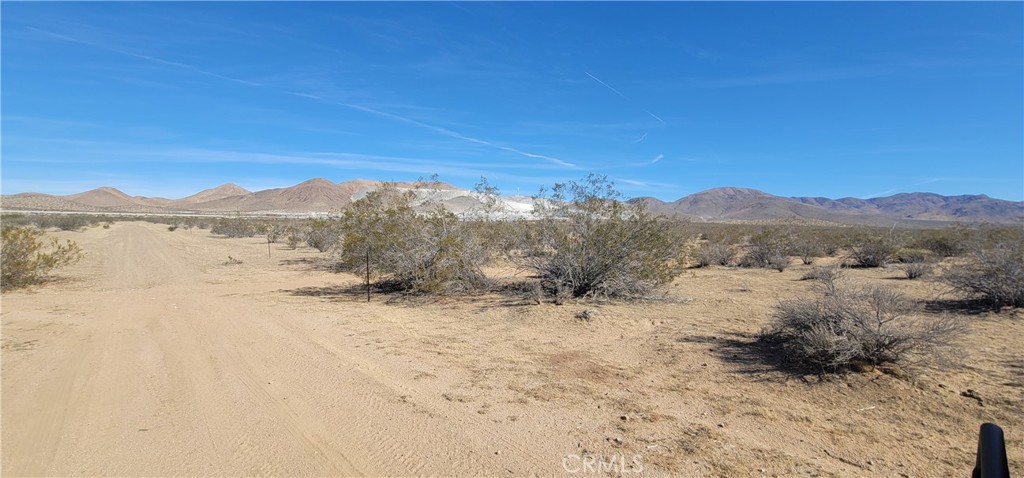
(318, 196)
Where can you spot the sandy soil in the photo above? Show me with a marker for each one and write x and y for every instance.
(154, 357)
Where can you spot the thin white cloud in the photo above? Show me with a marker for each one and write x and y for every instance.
(606, 85)
(453, 134)
(657, 158)
(366, 109)
(152, 59)
(639, 139)
(655, 117)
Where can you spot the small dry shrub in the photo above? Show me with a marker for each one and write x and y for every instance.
(768, 249)
(25, 260)
(995, 275)
(275, 231)
(916, 270)
(808, 249)
(875, 251)
(716, 254)
(844, 325)
(824, 274)
(913, 256)
(294, 238)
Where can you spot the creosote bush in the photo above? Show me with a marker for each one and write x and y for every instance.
(322, 234)
(236, 227)
(993, 274)
(25, 259)
(845, 325)
(434, 252)
(588, 243)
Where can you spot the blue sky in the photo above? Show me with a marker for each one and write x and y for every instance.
(667, 99)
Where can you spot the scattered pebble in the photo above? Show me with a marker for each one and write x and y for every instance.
(971, 393)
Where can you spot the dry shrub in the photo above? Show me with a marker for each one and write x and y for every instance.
(808, 249)
(25, 260)
(995, 275)
(916, 270)
(846, 325)
(768, 249)
(588, 243)
(943, 242)
(913, 256)
(875, 251)
(915, 263)
(825, 274)
(714, 254)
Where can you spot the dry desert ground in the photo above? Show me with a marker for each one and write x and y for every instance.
(153, 356)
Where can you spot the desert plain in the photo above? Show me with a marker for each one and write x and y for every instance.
(185, 353)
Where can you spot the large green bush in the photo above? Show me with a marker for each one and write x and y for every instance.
(587, 243)
(434, 252)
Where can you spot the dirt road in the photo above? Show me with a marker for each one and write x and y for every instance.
(160, 360)
(158, 356)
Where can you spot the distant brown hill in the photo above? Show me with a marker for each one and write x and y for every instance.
(219, 192)
(720, 204)
(927, 206)
(309, 196)
(752, 205)
(104, 197)
(314, 195)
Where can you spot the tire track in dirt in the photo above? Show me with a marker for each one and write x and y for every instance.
(470, 428)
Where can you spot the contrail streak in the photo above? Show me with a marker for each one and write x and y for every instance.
(146, 57)
(366, 109)
(639, 140)
(617, 92)
(606, 85)
(453, 134)
(655, 117)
